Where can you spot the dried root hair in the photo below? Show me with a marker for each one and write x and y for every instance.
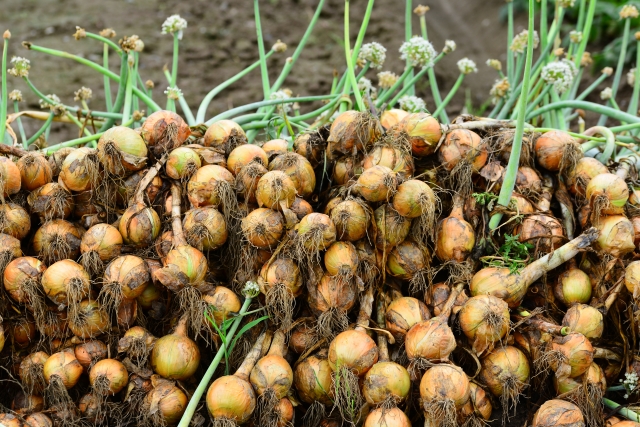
(196, 235)
(348, 399)
(511, 391)
(110, 297)
(588, 398)
(189, 301)
(571, 153)
(266, 411)
(33, 379)
(316, 412)
(243, 268)
(37, 302)
(423, 228)
(440, 413)
(92, 263)
(100, 390)
(223, 422)
(57, 249)
(75, 294)
(459, 178)
(331, 323)
(420, 282)
(598, 204)
(300, 251)
(57, 398)
(280, 304)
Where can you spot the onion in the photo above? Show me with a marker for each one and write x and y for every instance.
(302, 338)
(80, 170)
(10, 420)
(211, 185)
(430, 340)
(392, 228)
(14, 220)
(341, 258)
(522, 205)
(56, 240)
(221, 302)
(247, 180)
(24, 403)
(182, 163)
(528, 180)
(556, 150)
(631, 278)
(573, 286)
(330, 300)
(35, 171)
(125, 277)
(139, 225)
(23, 331)
(301, 208)
(386, 381)
(175, 356)
(544, 232)
(315, 232)
(51, 201)
(275, 190)
(165, 403)
(392, 117)
(409, 261)
(164, 131)
(224, 136)
(10, 177)
(66, 283)
(311, 146)
(616, 235)
(480, 402)
(205, 228)
(38, 419)
(376, 184)
(578, 178)
(636, 227)
(31, 371)
(299, 169)
(243, 155)
(558, 412)
(443, 390)
(184, 266)
(313, 380)
(22, 282)
(484, 319)
(345, 169)
(423, 132)
(127, 188)
(584, 319)
(414, 199)
(121, 150)
(63, 365)
(463, 144)
(263, 227)
(232, 398)
(280, 281)
(353, 350)
(571, 355)
(101, 243)
(455, 238)
(352, 131)
(505, 373)
(607, 194)
(108, 376)
(9, 249)
(402, 314)
(275, 147)
(389, 156)
(90, 352)
(351, 219)
(164, 244)
(91, 320)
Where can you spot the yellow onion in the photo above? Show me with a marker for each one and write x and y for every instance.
(463, 144)
(10, 177)
(301, 208)
(275, 190)
(392, 117)
(573, 287)
(394, 158)
(56, 240)
(129, 274)
(311, 146)
(382, 417)
(578, 178)
(484, 319)
(636, 227)
(423, 132)
(544, 232)
(407, 259)
(9, 249)
(263, 228)
(345, 169)
(121, 150)
(211, 185)
(430, 340)
(35, 171)
(23, 403)
(444, 383)
(574, 355)
(89, 406)
(341, 258)
(56, 159)
(455, 238)
(281, 282)
(607, 194)
(91, 320)
(315, 232)
(353, 350)
(127, 188)
(165, 403)
(480, 402)
(616, 235)
(182, 163)
(164, 244)
(351, 219)
(108, 376)
(205, 228)
(31, 371)
(386, 380)
(38, 419)
(222, 303)
(275, 147)
(22, 281)
(243, 155)
(392, 228)
(224, 136)
(584, 319)
(164, 131)
(330, 300)
(101, 243)
(403, 313)
(272, 373)
(51, 201)
(522, 205)
(505, 372)
(14, 220)
(352, 131)
(23, 331)
(528, 179)
(65, 366)
(632, 278)
(66, 283)
(302, 338)
(377, 184)
(299, 169)
(414, 198)
(183, 266)
(594, 378)
(231, 397)
(90, 352)
(498, 282)
(556, 412)
(554, 150)
(313, 380)
(139, 225)
(247, 181)
(80, 170)
(175, 356)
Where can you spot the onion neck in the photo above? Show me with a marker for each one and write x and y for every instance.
(277, 344)
(383, 348)
(458, 204)
(181, 329)
(541, 324)
(448, 306)
(176, 222)
(144, 183)
(366, 307)
(251, 358)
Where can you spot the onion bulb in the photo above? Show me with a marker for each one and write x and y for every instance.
(80, 170)
(579, 177)
(211, 185)
(184, 266)
(101, 243)
(544, 232)
(275, 147)
(484, 319)
(14, 220)
(584, 319)
(65, 366)
(616, 235)
(300, 171)
(313, 380)
(231, 397)
(281, 282)
(56, 240)
(90, 352)
(463, 144)
(108, 377)
(430, 340)
(556, 150)
(315, 232)
(167, 400)
(505, 373)
(455, 237)
(245, 154)
(310, 145)
(402, 314)
(446, 384)
(222, 303)
(205, 228)
(330, 300)
(353, 350)
(10, 177)
(386, 381)
(164, 131)
(175, 356)
(23, 331)
(607, 194)
(341, 258)
(556, 412)
(392, 228)
(352, 131)
(351, 219)
(121, 150)
(66, 283)
(573, 287)
(35, 171)
(275, 190)
(224, 136)
(423, 132)
(301, 208)
(345, 169)
(382, 417)
(247, 180)
(392, 157)
(409, 261)
(56, 159)
(125, 277)
(571, 355)
(32, 371)
(51, 201)
(272, 373)
(414, 199)
(182, 163)
(377, 184)
(263, 228)
(90, 320)
(22, 282)
(139, 225)
(392, 117)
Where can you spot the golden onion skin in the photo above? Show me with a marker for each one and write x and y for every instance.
(232, 398)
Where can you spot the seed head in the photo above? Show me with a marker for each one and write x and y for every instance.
(606, 94)
(560, 74)
(21, 67)
(631, 77)
(412, 104)
(499, 90)
(586, 60)
(374, 53)
(566, 3)
(108, 33)
(251, 290)
(558, 52)
(421, 10)
(519, 43)
(575, 36)
(149, 84)
(279, 46)
(495, 64)
(467, 66)
(386, 79)
(131, 43)
(449, 46)
(173, 93)
(137, 115)
(628, 11)
(80, 33)
(174, 24)
(282, 95)
(6, 35)
(15, 95)
(418, 51)
(55, 106)
(83, 94)
(608, 71)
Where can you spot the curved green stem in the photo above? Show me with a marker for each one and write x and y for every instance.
(610, 142)
(408, 33)
(40, 131)
(4, 100)
(23, 135)
(627, 413)
(107, 82)
(449, 96)
(104, 40)
(266, 87)
(347, 52)
(592, 87)
(586, 105)
(382, 99)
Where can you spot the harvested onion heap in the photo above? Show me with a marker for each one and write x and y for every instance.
(121, 268)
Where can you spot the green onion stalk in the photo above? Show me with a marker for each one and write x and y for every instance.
(408, 33)
(633, 104)
(510, 34)
(23, 136)
(619, 409)
(3, 102)
(433, 83)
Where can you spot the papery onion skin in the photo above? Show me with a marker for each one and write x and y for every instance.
(10, 179)
(175, 357)
(632, 278)
(79, 170)
(377, 184)
(299, 169)
(503, 363)
(263, 228)
(411, 196)
(611, 187)
(394, 158)
(140, 225)
(93, 320)
(121, 150)
(351, 220)
(224, 135)
(64, 365)
(341, 257)
(89, 352)
(103, 239)
(584, 319)
(463, 144)
(182, 163)
(61, 276)
(10, 420)
(392, 117)
(232, 398)
(384, 380)
(544, 232)
(56, 240)
(423, 131)
(169, 400)
(183, 266)
(445, 382)
(35, 171)
(130, 272)
(381, 417)
(245, 154)
(164, 131)
(500, 283)
(455, 237)
(573, 287)
(51, 201)
(430, 340)
(207, 186)
(616, 235)
(550, 148)
(275, 147)
(205, 228)
(484, 319)
(558, 412)
(14, 220)
(301, 207)
(354, 350)
(275, 190)
(222, 302)
(352, 131)
(392, 227)
(579, 177)
(407, 259)
(577, 353)
(311, 146)
(114, 371)
(19, 271)
(403, 313)
(313, 380)
(331, 292)
(346, 169)
(316, 231)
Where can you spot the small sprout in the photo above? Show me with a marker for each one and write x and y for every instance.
(137, 115)
(374, 53)
(421, 10)
(15, 95)
(449, 46)
(575, 36)
(629, 11)
(586, 60)
(282, 95)
(566, 3)
(80, 33)
(467, 66)
(519, 43)
(149, 84)
(6, 35)
(108, 33)
(608, 71)
(279, 46)
(499, 90)
(418, 51)
(412, 104)
(631, 77)
(495, 64)
(173, 93)
(55, 106)
(386, 79)
(21, 67)
(131, 43)
(560, 74)
(251, 290)
(558, 52)
(174, 24)
(83, 94)
(606, 94)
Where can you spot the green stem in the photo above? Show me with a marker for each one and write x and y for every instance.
(4, 100)
(621, 59)
(126, 110)
(431, 74)
(412, 82)
(561, 121)
(537, 101)
(105, 41)
(78, 123)
(208, 375)
(40, 131)
(266, 87)
(117, 105)
(627, 413)
(136, 101)
(633, 104)
(592, 87)
(107, 82)
(586, 32)
(581, 15)
(543, 24)
(347, 53)
(171, 105)
(586, 105)
(514, 158)
(510, 64)
(408, 11)
(23, 135)
(78, 141)
(191, 121)
(449, 96)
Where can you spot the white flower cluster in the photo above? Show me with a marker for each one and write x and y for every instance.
(606, 94)
(499, 90)
(575, 36)
(386, 79)
(83, 94)
(46, 104)
(365, 85)
(418, 51)
(631, 77)
(251, 290)
(282, 95)
(174, 24)
(495, 64)
(467, 66)
(412, 104)
(15, 95)
(630, 383)
(21, 66)
(449, 46)
(373, 53)
(628, 11)
(173, 93)
(560, 74)
(519, 42)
